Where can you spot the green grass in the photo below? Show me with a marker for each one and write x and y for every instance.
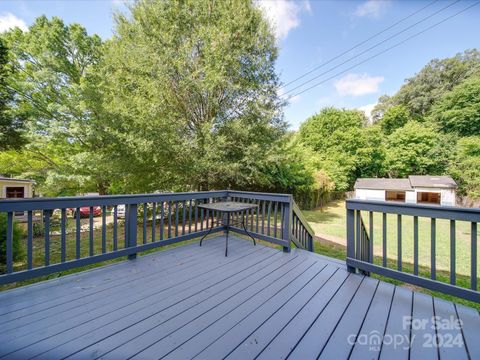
(330, 224)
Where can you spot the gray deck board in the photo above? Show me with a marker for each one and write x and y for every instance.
(191, 302)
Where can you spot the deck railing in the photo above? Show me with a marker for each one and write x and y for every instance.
(58, 238)
(437, 268)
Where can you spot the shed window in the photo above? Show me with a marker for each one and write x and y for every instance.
(395, 196)
(428, 197)
(15, 192)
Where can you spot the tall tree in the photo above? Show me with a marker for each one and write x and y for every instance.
(192, 94)
(12, 123)
(53, 65)
(466, 166)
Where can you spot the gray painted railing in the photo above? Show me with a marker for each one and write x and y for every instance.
(150, 221)
(360, 244)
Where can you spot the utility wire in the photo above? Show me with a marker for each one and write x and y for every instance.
(373, 46)
(359, 44)
(386, 50)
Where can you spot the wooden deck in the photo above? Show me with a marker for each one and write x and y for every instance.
(192, 302)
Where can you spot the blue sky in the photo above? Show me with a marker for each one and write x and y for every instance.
(310, 33)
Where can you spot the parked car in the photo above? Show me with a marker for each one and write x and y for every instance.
(85, 211)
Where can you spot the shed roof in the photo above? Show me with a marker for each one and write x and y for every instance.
(2, 178)
(383, 184)
(432, 181)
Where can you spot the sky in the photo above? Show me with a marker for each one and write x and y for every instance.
(310, 34)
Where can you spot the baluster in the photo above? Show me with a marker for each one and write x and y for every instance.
(154, 221)
(162, 220)
(358, 221)
(384, 239)
(169, 227)
(47, 237)
(9, 247)
(415, 245)
(184, 214)
(474, 256)
(202, 211)
(90, 218)
(104, 229)
(196, 216)
(176, 218)
(256, 215)
(63, 235)
(144, 223)
(268, 217)
(263, 217)
(115, 224)
(29, 240)
(370, 243)
(399, 242)
(77, 233)
(433, 255)
(275, 212)
(190, 217)
(126, 225)
(452, 252)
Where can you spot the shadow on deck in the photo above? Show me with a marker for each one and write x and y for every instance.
(192, 302)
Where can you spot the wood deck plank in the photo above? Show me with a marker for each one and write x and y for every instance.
(316, 337)
(257, 303)
(422, 328)
(368, 341)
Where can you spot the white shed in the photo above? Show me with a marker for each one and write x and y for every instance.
(417, 189)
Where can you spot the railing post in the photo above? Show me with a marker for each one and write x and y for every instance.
(350, 237)
(132, 228)
(286, 224)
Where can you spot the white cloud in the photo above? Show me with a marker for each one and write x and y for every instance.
(9, 21)
(371, 8)
(295, 99)
(283, 15)
(358, 84)
(367, 109)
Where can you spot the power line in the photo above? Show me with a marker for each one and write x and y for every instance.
(386, 50)
(359, 44)
(373, 47)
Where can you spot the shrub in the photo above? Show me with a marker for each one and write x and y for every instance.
(17, 236)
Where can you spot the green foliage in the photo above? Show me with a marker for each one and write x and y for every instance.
(11, 123)
(416, 149)
(438, 77)
(345, 147)
(17, 236)
(190, 88)
(394, 118)
(466, 166)
(458, 111)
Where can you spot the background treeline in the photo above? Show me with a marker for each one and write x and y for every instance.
(184, 96)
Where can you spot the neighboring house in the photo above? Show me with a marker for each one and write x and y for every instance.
(11, 188)
(417, 189)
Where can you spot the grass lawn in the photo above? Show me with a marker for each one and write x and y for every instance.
(330, 224)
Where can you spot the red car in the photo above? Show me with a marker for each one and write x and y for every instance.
(85, 211)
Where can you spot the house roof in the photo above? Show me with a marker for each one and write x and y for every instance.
(383, 184)
(413, 181)
(2, 178)
(432, 181)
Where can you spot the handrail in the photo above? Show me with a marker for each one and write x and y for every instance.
(359, 239)
(148, 221)
(302, 234)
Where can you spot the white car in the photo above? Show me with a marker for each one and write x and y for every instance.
(120, 211)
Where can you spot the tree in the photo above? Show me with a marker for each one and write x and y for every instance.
(438, 77)
(53, 65)
(466, 166)
(417, 149)
(11, 124)
(394, 118)
(346, 148)
(459, 110)
(191, 91)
